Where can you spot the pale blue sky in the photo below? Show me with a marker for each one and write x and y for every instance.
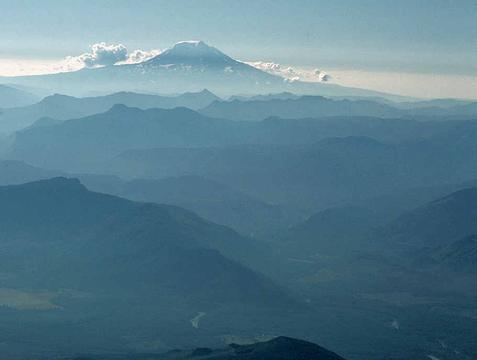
(377, 38)
(417, 35)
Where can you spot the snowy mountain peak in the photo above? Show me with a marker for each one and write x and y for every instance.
(192, 53)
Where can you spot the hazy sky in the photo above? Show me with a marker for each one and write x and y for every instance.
(434, 39)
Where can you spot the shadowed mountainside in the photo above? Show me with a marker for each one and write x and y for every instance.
(280, 348)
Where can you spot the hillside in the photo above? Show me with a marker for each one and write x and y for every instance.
(75, 254)
(436, 223)
(280, 348)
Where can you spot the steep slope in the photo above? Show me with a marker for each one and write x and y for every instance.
(62, 107)
(436, 223)
(332, 231)
(459, 256)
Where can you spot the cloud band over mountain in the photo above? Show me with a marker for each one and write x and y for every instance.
(291, 73)
(103, 54)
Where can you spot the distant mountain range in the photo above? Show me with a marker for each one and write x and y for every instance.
(16, 172)
(11, 96)
(297, 108)
(61, 107)
(209, 199)
(96, 138)
(328, 173)
(348, 157)
(286, 106)
(187, 66)
(338, 230)
(130, 128)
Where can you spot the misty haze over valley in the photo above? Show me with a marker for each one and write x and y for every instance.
(251, 195)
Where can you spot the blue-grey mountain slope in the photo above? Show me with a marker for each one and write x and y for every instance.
(61, 107)
(437, 223)
(11, 96)
(296, 107)
(99, 259)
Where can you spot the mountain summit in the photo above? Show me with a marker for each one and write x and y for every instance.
(188, 66)
(192, 53)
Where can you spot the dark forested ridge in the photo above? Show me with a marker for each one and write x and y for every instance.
(280, 348)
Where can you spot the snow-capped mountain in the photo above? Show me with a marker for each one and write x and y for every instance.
(188, 66)
(193, 53)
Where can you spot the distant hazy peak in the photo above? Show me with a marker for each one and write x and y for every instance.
(54, 184)
(202, 92)
(57, 98)
(341, 142)
(120, 109)
(193, 43)
(193, 48)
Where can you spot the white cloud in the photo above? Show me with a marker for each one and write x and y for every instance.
(139, 56)
(102, 54)
(291, 73)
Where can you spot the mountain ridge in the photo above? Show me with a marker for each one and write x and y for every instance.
(64, 107)
(279, 348)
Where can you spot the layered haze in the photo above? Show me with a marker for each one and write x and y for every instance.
(249, 180)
